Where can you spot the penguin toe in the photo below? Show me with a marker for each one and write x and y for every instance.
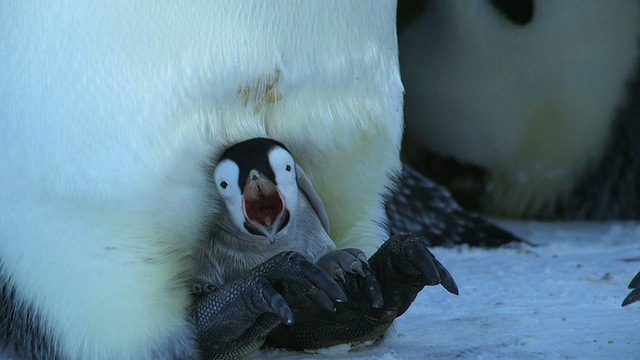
(341, 261)
(405, 257)
(634, 295)
(293, 275)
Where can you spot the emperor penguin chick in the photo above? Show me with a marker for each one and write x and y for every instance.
(268, 206)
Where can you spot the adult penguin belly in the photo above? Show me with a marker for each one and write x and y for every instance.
(527, 108)
(109, 116)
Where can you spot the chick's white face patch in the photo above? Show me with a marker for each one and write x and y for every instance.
(284, 168)
(226, 176)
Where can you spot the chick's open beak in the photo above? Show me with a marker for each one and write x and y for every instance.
(263, 205)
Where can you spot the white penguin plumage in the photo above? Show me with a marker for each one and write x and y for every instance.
(535, 102)
(109, 116)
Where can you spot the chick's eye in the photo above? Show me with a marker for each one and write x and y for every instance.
(223, 184)
(288, 168)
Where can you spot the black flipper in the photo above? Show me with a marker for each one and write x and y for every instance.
(428, 210)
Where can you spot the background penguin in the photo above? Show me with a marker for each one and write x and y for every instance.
(526, 108)
(423, 207)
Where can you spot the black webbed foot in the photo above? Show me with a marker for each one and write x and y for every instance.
(402, 267)
(634, 295)
(233, 319)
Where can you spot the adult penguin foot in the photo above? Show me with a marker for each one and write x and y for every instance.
(232, 320)
(401, 268)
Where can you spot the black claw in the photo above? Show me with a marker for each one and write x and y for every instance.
(323, 300)
(357, 268)
(635, 294)
(446, 279)
(424, 261)
(320, 279)
(196, 289)
(371, 288)
(277, 303)
(635, 283)
(202, 287)
(359, 255)
(632, 297)
(363, 258)
(341, 262)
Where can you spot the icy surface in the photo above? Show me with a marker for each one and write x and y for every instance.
(558, 300)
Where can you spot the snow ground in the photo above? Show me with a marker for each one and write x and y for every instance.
(558, 300)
